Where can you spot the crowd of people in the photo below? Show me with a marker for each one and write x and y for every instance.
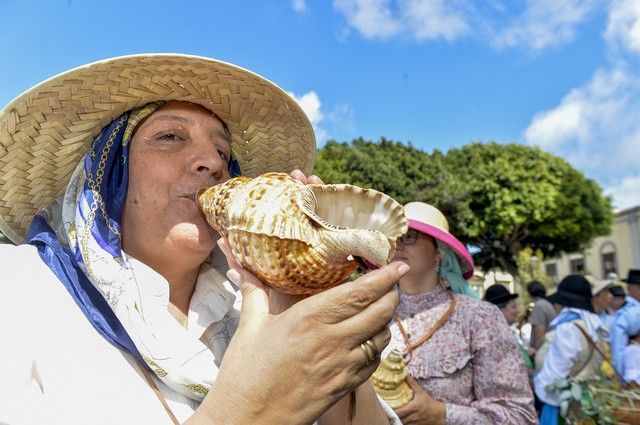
(569, 334)
(120, 304)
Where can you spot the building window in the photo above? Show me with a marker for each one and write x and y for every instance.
(576, 266)
(608, 258)
(551, 270)
(608, 264)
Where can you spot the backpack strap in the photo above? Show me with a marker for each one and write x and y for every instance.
(595, 346)
(591, 345)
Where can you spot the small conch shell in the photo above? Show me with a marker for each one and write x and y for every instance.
(389, 381)
(300, 238)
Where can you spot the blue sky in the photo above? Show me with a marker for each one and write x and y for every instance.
(560, 74)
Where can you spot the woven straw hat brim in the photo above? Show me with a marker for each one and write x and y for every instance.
(45, 131)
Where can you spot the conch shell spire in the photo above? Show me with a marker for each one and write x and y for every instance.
(389, 380)
(301, 238)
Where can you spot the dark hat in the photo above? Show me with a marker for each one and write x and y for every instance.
(536, 289)
(617, 291)
(498, 294)
(633, 277)
(573, 291)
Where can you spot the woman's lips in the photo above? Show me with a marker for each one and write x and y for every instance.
(190, 196)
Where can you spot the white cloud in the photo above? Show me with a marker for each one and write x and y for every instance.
(434, 19)
(584, 111)
(310, 104)
(418, 19)
(545, 23)
(312, 107)
(596, 127)
(626, 192)
(623, 26)
(372, 18)
(299, 6)
(539, 25)
(550, 129)
(326, 122)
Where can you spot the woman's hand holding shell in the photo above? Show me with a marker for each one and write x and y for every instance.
(299, 175)
(422, 409)
(290, 367)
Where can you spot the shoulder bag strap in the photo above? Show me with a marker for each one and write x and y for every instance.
(156, 390)
(595, 346)
(591, 345)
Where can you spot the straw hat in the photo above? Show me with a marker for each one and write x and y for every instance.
(598, 286)
(429, 220)
(47, 129)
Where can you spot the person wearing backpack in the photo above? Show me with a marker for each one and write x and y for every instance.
(572, 347)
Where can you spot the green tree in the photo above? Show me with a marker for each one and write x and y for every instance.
(401, 171)
(499, 198)
(521, 197)
(530, 265)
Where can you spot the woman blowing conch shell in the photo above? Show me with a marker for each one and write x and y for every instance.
(115, 306)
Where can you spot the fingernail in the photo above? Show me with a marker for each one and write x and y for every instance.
(223, 247)
(403, 269)
(233, 275)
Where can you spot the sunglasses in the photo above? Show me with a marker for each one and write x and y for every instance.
(409, 238)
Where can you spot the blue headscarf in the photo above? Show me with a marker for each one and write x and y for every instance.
(96, 193)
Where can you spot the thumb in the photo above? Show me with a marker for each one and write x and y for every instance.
(413, 384)
(255, 301)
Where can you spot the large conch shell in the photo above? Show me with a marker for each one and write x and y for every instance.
(389, 381)
(300, 238)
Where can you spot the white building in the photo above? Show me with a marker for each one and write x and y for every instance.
(615, 253)
(481, 280)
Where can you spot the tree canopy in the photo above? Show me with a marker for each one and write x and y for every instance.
(401, 171)
(499, 198)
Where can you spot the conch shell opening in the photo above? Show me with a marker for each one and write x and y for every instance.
(300, 238)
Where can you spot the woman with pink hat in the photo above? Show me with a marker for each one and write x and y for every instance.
(463, 361)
